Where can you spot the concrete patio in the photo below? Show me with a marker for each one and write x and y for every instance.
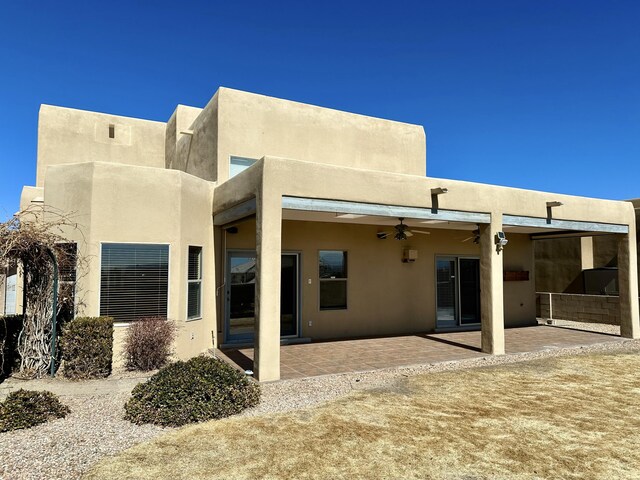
(340, 356)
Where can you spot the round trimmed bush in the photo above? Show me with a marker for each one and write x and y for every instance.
(202, 388)
(28, 408)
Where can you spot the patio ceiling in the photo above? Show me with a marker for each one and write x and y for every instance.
(329, 217)
(335, 211)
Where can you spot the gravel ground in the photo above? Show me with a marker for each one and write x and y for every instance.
(65, 448)
(591, 327)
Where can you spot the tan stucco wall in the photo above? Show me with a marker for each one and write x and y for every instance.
(384, 294)
(236, 123)
(306, 179)
(605, 251)
(253, 126)
(180, 121)
(118, 203)
(197, 154)
(560, 261)
(558, 265)
(29, 194)
(66, 135)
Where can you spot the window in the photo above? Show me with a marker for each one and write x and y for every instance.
(333, 279)
(134, 281)
(194, 277)
(67, 258)
(112, 131)
(67, 255)
(239, 164)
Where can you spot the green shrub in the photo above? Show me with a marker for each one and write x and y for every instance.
(148, 342)
(27, 408)
(10, 327)
(87, 347)
(202, 388)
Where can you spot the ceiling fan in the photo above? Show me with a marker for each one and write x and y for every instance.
(400, 232)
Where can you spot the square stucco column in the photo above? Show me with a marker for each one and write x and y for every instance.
(268, 248)
(628, 286)
(491, 288)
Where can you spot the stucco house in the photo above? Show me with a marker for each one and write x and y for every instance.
(256, 220)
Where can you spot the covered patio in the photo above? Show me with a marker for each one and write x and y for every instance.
(292, 209)
(365, 354)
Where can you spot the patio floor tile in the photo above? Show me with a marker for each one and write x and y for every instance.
(340, 356)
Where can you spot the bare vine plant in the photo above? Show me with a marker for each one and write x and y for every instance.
(25, 242)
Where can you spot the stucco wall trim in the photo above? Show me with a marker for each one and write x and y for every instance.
(339, 206)
(513, 220)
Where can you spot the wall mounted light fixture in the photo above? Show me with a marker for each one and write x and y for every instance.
(501, 241)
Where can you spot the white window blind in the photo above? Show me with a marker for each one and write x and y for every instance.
(194, 294)
(134, 281)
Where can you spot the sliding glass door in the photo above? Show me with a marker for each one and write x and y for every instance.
(241, 296)
(457, 292)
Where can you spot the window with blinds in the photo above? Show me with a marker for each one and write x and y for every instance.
(194, 294)
(134, 281)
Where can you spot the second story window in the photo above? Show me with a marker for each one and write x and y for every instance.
(238, 164)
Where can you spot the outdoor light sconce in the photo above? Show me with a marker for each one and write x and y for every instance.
(501, 241)
(439, 191)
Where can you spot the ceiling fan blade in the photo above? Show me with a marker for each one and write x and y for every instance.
(475, 237)
(420, 231)
(408, 233)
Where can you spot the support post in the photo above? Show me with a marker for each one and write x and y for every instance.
(491, 288)
(268, 248)
(628, 284)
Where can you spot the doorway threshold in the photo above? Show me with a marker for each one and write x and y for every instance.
(466, 328)
(283, 341)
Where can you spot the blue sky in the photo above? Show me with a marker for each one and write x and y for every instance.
(533, 94)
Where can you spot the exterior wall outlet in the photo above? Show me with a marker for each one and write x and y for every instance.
(311, 323)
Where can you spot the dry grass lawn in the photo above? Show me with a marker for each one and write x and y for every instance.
(572, 417)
